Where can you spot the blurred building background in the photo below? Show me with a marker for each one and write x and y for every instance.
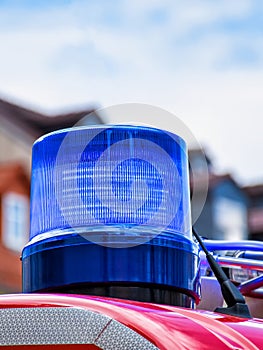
(19, 128)
(224, 215)
(230, 212)
(255, 211)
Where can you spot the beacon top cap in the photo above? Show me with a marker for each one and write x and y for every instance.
(125, 179)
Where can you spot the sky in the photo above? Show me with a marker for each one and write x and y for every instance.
(200, 60)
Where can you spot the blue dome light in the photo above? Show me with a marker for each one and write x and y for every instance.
(110, 205)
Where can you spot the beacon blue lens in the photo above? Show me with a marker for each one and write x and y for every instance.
(101, 194)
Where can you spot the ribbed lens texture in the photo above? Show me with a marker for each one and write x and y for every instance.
(123, 176)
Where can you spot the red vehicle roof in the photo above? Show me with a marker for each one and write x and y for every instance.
(165, 327)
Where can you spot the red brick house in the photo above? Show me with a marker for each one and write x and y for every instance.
(14, 223)
(19, 128)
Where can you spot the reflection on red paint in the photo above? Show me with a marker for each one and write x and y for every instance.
(52, 347)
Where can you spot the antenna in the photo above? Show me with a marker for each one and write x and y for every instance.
(236, 304)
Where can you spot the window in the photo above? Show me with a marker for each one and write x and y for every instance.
(231, 219)
(15, 220)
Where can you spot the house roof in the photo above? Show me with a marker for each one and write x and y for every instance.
(37, 124)
(254, 191)
(215, 179)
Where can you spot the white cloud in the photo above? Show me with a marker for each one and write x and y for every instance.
(182, 61)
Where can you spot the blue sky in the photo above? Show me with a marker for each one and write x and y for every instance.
(201, 60)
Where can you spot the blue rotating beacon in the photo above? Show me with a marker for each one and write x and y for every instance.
(110, 216)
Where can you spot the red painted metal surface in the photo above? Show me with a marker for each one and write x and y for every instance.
(165, 326)
(52, 347)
